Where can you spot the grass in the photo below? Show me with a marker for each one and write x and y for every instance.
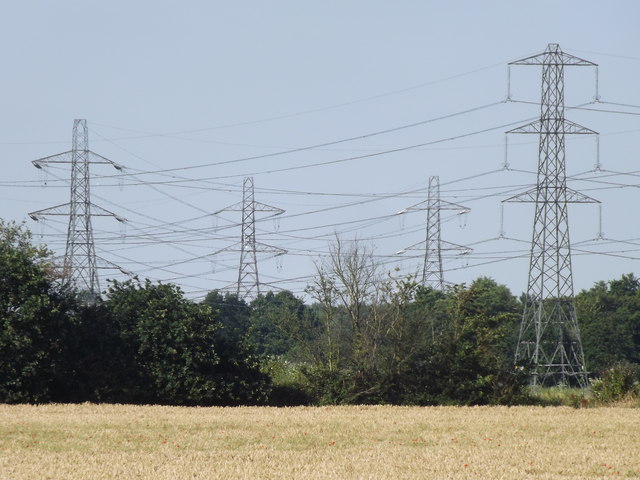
(581, 398)
(148, 442)
(563, 396)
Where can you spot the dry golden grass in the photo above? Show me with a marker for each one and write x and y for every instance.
(127, 442)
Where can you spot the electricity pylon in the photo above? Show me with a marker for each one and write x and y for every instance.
(549, 339)
(433, 245)
(248, 286)
(80, 261)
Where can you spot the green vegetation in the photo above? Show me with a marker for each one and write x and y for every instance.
(617, 384)
(145, 343)
(368, 337)
(609, 316)
(34, 319)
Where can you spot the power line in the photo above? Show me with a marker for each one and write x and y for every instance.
(305, 112)
(335, 142)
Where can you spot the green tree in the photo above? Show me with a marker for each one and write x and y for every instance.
(469, 361)
(233, 314)
(176, 354)
(34, 321)
(280, 324)
(377, 329)
(609, 318)
(98, 363)
(433, 307)
(348, 291)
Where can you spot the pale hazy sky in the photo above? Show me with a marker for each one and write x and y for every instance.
(200, 88)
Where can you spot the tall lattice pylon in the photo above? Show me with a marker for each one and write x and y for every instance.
(80, 261)
(549, 339)
(433, 245)
(248, 286)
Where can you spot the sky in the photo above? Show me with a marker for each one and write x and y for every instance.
(340, 112)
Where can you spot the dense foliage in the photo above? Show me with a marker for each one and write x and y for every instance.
(176, 354)
(145, 343)
(34, 319)
(609, 316)
(368, 336)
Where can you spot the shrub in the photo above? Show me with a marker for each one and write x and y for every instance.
(616, 383)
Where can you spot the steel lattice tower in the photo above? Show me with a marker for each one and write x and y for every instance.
(433, 245)
(80, 261)
(248, 285)
(549, 339)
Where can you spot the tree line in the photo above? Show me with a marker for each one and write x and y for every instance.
(367, 336)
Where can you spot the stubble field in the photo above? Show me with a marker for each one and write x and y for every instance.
(140, 442)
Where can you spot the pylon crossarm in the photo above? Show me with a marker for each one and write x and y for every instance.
(66, 157)
(525, 197)
(531, 196)
(236, 207)
(264, 248)
(577, 197)
(561, 58)
(104, 160)
(107, 265)
(260, 248)
(236, 247)
(261, 207)
(98, 211)
(57, 158)
(415, 246)
(258, 207)
(443, 205)
(57, 210)
(539, 127)
(444, 245)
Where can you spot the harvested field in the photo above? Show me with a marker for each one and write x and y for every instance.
(138, 442)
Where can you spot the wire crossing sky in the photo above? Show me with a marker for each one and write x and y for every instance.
(340, 111)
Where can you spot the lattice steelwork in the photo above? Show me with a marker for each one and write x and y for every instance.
(433, 245)
(248, 286)
(80, 261)
(549, 339)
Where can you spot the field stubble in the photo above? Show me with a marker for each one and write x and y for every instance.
(378, 442)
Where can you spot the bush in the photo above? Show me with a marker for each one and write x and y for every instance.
(288, 387)
(617, 383)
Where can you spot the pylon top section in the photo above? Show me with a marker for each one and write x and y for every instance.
(80, 260)
(434, 198)
(80, 146)
(249, 201)
(553, 55)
